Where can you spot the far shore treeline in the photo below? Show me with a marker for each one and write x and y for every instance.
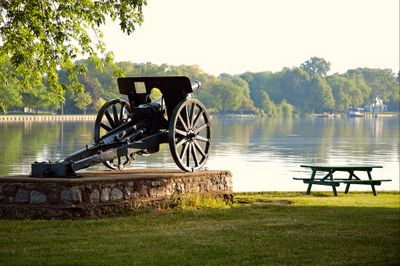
(291, 91)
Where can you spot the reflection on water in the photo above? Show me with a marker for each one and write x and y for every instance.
(262, 154)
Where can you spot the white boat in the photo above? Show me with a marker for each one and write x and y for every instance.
(325, 114)
(356, 112)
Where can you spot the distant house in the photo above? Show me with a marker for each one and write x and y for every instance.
(377, 106)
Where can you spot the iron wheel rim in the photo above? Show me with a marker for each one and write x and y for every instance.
(190, 135)
(111, 115)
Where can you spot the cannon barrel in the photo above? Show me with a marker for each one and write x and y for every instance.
(195, 85)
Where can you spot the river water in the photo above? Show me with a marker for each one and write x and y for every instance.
(262, 154)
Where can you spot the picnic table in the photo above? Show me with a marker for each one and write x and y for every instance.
(329, 180)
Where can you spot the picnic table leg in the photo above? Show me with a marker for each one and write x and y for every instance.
(334, 190)
(333, 187)
(372, 185)
(310, 184)
(348, 184)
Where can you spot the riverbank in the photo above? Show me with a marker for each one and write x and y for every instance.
(258, 229)
(49, 117)
(366, 114)
(41, 117)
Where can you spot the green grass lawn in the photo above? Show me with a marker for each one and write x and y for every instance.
(259, 229)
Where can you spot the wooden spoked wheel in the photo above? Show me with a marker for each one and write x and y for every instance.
(190, 135)
(112, 114)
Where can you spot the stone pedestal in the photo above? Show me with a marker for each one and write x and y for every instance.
(103, 193)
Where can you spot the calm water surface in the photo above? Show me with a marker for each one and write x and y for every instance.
(262, 154)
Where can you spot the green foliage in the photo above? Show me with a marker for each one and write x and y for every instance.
(155, 94)
(250, 92)
(238, 91)
(316, 65)
(341, 88)
(9, 96)
(296, 84)
(284, 93)
(380, 82)
(39, 36)
(286, 109)
(268, 106)
(100, 102)
(82, 100)
(307, 88)
(225, 96)
(320, 94)
(349, 90)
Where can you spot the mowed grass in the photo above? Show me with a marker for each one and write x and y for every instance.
(259, 229)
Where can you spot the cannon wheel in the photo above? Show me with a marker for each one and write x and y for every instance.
(112, 114)
(190, 135)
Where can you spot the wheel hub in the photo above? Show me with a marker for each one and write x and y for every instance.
(191, 135)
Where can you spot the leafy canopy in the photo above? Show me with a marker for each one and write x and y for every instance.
(37, 37)
(316, 65)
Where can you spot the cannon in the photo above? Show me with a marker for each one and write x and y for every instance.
(124, 129)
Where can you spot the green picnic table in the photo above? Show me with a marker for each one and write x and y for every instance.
(329, 180)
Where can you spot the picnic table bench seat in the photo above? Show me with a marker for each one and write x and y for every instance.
(318, 181)
(376, 182)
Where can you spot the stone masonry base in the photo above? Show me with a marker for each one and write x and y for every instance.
(104, 193)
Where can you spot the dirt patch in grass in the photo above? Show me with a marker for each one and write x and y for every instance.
(265, 203)
(319, 194)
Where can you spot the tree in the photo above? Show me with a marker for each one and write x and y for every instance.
(246, 104)
(295, 86)
(316, 65)
(82, 101)
(320, 94)
(286, 109)
(269, 106)
(227, 96)
(100, 102)
(39, 36)
(381, 83)
(341, 87)
(349, 89)
(9, 96)
(37, 98)
(261, 82)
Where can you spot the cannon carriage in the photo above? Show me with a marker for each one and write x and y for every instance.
(124, 129)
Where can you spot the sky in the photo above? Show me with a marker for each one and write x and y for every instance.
(235, 36)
